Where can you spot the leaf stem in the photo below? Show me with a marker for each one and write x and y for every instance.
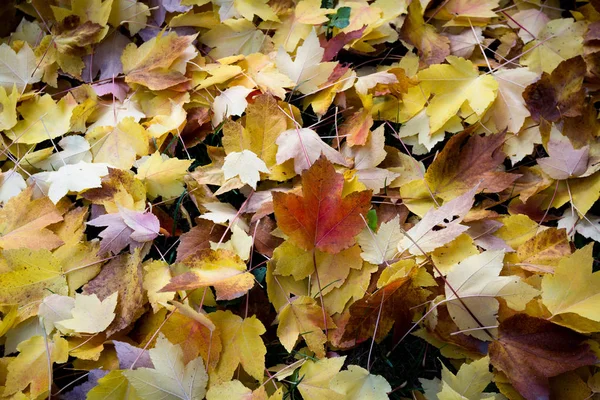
(314, 257)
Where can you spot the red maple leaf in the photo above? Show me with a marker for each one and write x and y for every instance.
(321, 218)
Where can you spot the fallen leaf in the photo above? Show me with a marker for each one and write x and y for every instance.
(564, 161)
(115, 385)
(18, 68)
(573, 271)
(244, 346)
(434, 48)
(530, 350)
(306, 70)
(469, 382)
(305, 147)
(453, 85)
(231, 102)
(162, 175)
(157, 275)
(547, 248)
(321, 218)
(558, 94)
(303, 316)
(119, 145)
(28, 277)
(467, 161)
(25, 221)
(43, 119)
(170, 378)
(380, 246)
(316, 377)
(357, 383)
(472, 289)
(70, 178)
(220, 268)
(509, 110)
(126, 228)
(356, 128)
(246, 165)
(122, 274)
(422, 238)
(31, 367)
(89, 314)
(384, 308)
(561, 39)
(159, 63)
(74, 150)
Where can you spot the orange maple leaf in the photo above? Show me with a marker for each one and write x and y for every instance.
(322, 218)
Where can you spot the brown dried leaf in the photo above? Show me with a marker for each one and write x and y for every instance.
(530, 350)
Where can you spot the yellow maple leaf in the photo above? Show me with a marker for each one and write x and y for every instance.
(467, 12)
(315, 378)
(76, 250)
(159, 63)
(573, 288)
(89, 315)
(170, 378)
(454, 85)
(240, 243)
(43, 119)
(243, 346)
(234, 37)
(246, 165)
(18, 68)
(162, 175)
(118, 146)
(262, 70)
(560, 40)
(24, 221)
(297, 24)
(380, 246)
(581, 192)
(113, 385)
(8, 113)
(30, 367)
(516, 230)
(214, 74)
(478, 283)
(280, 287)
(306, 70)
(333, 268)
(96, 11)
(545, 250)
(170, 121)
(264, 123)
(447, 256)
(130, 12)
(157, 275)
(235, 390)
(353, 289)
(220, 268)
(469, 382)
(509, 110)
(249, 8)
(357, 383)
(303, 316)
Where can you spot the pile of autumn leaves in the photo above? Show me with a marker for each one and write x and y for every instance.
(168, 211)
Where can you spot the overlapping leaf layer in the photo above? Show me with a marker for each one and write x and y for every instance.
(284, 199)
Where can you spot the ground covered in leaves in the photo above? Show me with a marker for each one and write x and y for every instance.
(299, 199)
